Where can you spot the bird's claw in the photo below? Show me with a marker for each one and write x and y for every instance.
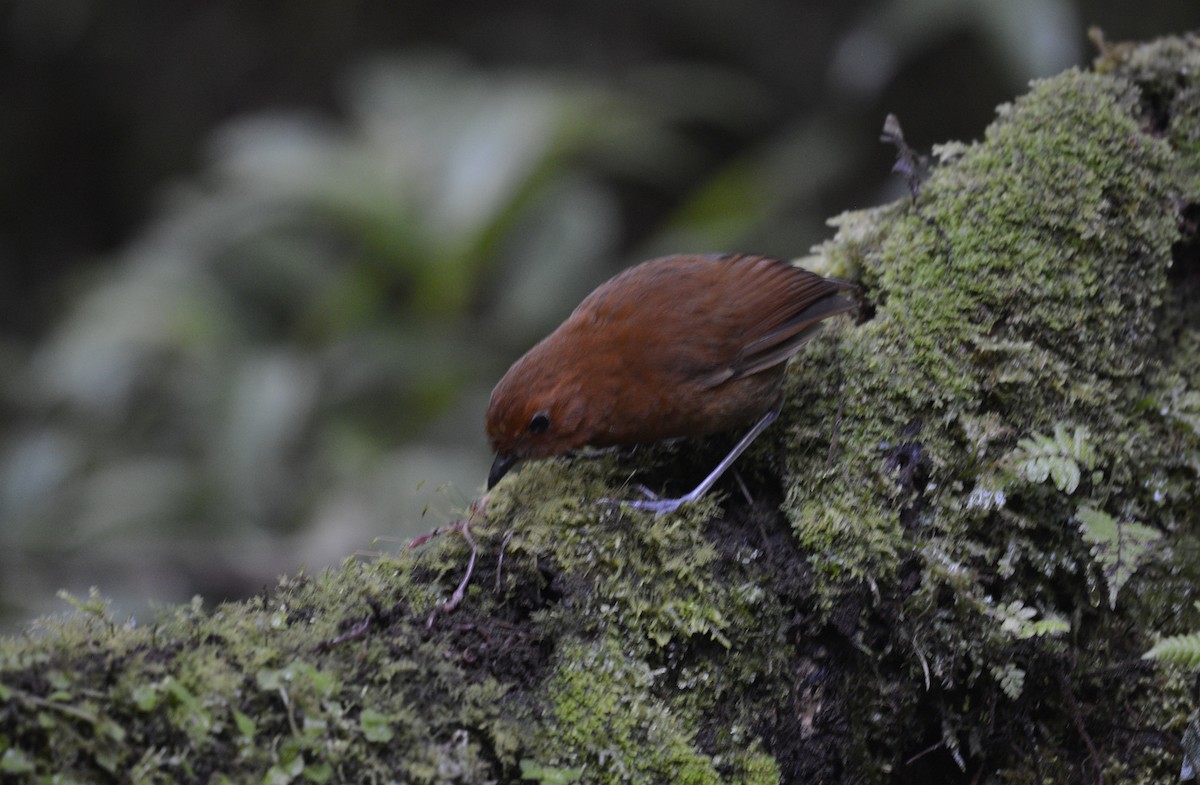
(658, 506)
(653, 504)
(642, 489)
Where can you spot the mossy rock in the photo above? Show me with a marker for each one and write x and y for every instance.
(978, 511)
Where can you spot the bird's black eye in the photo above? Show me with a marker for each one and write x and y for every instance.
(539, 423)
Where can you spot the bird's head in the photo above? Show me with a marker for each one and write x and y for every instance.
(537, 410)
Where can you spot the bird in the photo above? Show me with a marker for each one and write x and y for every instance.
(678, 346)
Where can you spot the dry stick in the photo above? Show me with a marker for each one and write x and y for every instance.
(353, 634)
(463, 528)
(508, 535)
(931, 748)
(742, 484)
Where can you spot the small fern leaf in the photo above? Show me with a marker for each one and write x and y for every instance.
(1177, 650)
(1075, 445)
(1116, 547)
(1184, 409)
(1065, 474)
(1011, 680)
(1036, 470)
(1061, 457)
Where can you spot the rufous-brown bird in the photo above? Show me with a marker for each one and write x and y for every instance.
(678, 346)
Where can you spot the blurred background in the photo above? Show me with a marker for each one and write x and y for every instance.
(261, 263)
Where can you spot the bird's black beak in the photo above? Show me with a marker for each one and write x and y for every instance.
(500, 467)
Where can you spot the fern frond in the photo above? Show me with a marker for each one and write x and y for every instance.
(1011, 680)
(1061, 457)
(1019, 621)
(1177, 650)
(1117, 547)
(1184, 409)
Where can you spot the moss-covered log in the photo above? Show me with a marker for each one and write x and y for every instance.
(979, 510)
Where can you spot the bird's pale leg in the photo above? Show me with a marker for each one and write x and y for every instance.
(662, 506)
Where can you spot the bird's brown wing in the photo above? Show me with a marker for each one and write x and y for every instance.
(778, 346)
(788, 305)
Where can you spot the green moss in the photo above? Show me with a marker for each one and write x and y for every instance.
(688, 642)
(1025, 280)
(611, 726)
(1026, 291)
(249, 688)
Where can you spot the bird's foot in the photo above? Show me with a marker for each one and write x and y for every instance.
(652, 502)
(659, 506)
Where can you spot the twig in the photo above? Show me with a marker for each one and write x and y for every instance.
(508, 535)
(463, 529)
(924, 752)
(354, 633)
(742, 484)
